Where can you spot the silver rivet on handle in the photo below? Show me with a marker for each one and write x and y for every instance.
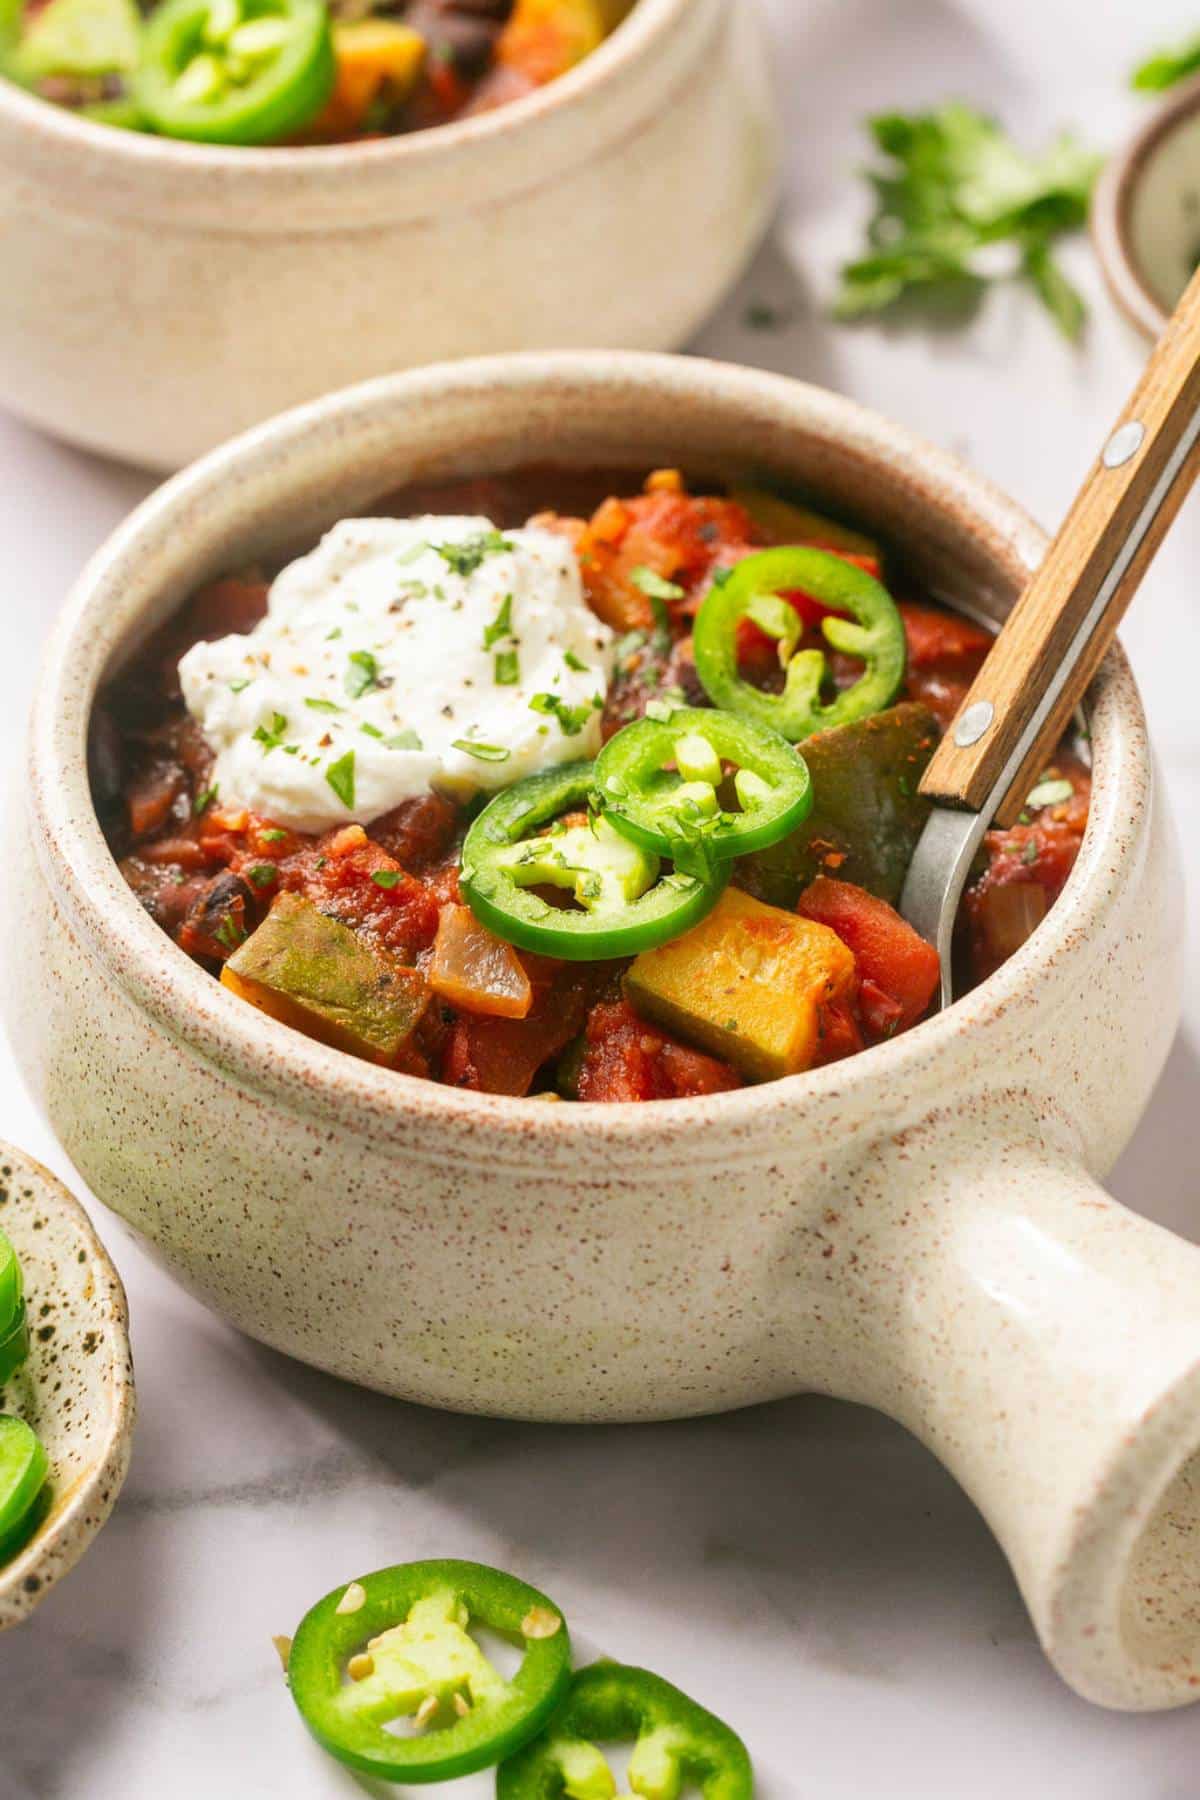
(974, 723)
(1124, 443)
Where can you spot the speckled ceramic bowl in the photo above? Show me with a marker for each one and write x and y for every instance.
(920, 1228)
(1146, 214)
(158, 296)
(76, 1389)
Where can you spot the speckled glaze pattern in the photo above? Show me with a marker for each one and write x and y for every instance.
(212, 287)
(920, 1229)
(76, 1389)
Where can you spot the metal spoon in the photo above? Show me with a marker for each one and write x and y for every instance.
(1060, 630)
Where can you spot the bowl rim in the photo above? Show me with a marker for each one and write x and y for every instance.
(134, 153)
(203, 1017)
(1112, 203)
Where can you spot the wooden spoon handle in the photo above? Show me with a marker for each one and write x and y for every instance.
(1062, 626)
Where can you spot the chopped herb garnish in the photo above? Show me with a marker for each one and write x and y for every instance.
(203, 801)
(335, 633)
(954, 188)
(340, 776)
(240, 685)
(501, 625)
(571, 719)
(411, 554)
(466, 557)
(263, 874)
(574, 662)
(1167, 67)
(403, 740)
(323, 706)
(1049, 793)
(386, 878)
(274, 836)
(362, 674)
(493, 753)
(230, 933)
(506, 668)
(655, 586)
(1030, 851)
(370, 731)
(272, 735)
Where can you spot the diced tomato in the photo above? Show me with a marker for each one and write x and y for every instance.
(945, 653)
(398, 912)
(624, 1058)
(898, 971)
(679, 537)
(502, 1056)
(1033, 857)
(838, 1033)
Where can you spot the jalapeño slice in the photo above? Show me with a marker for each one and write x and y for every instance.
(23, 1470)
(521, 842)
(664, 784)
(675, 1742)
(754, 591)
(235, 71)
(395, 1645)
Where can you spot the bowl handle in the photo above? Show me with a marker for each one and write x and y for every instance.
(1046, 1346)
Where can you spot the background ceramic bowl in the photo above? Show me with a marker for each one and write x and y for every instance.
(1146, 214)
(919, 1228)
(158, 296)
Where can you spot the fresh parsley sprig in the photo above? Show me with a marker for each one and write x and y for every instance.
(952, 189)
(1166, 67)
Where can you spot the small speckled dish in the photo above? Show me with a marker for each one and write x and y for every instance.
(76, 1389)
(1146, 214)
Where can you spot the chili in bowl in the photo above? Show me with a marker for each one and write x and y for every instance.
(918, 1226)
(603, 807)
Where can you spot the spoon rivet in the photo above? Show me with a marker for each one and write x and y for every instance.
(1124, 443)
(973, 724)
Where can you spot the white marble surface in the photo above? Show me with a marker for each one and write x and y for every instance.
(804, 1568)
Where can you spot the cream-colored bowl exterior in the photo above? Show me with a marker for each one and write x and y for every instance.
(159, 296)
(919, 1228)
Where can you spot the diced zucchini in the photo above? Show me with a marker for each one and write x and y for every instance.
(785, 522)
(867, 814)
(748, 984)
(316, 974)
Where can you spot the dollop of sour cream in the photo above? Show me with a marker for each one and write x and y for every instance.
(402, 655)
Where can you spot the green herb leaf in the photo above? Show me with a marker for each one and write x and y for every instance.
(403, 740)
(240, 686)
(412, 554)
(386, 878)
(654, 586)
(263, 874)
(466, 557)
(506, 668)
(340, 776)
(571, 719)
(954, 187)
(372, 731)
(501, 625)
(272, 735)
(575, 662)
(493, 753)
(1029, 852)
(323, 706)
(1167, 67)
(362, 674)
(203, 801)
(230, 933)
(274, 836)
